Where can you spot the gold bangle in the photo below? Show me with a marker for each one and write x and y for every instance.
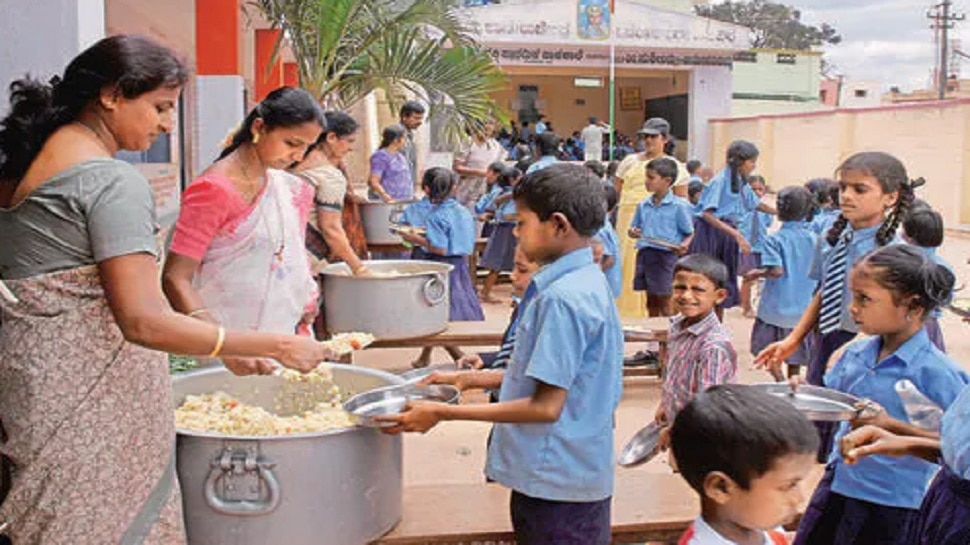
(219, 341)
(197, 312)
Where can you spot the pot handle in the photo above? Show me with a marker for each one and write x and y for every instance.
(396, 212)
(435, 290)
(241, 465)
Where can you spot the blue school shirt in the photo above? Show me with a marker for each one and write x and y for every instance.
(823, 221)
(955, 436)
(671, 220)
(863, 242)
(896, 482)
(543, 162)
(755, 232)
(725, 204)
(611, 247)
(784, 299)
(452, 228)
(505, 211)
(485, 201)
(416, 213)
(569, 336)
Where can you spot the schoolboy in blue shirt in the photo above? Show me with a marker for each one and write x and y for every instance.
(663, 227)
(553, 439)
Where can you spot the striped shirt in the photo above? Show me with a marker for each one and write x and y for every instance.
(698, 357)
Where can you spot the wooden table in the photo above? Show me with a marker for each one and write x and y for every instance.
(401, 248)
(646, 507)
(460, 334)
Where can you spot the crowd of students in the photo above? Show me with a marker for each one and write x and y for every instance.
(857, 255)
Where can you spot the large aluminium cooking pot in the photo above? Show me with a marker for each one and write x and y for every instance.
(378, 217)
(400, 300)
(341, 487)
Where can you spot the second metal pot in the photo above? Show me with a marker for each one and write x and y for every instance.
(378, 217)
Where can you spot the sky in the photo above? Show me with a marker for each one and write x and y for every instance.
(887, 41)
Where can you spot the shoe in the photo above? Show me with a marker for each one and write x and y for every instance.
(641, 358)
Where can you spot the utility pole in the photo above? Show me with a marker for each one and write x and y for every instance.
(943, 21)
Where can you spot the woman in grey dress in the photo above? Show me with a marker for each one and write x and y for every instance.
(85, 399)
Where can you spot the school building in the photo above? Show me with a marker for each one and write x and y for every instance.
(669, 62)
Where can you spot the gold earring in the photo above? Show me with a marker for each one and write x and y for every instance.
(255, 138)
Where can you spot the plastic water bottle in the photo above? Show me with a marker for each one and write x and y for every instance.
(920, 410)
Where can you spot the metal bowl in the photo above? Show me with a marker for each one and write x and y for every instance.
(816, 403)
(642, 448)
(392, 399)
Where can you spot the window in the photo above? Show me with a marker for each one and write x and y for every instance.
(786, 58)
(823, 95)
(861, 93)
(745, 56)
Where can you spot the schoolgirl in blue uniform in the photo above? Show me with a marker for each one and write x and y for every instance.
(876, 500)
(416, 215)
(785, 262)
(826, 192)
(450, 239)
(923, 228)
(724, 203)
(944, 515)
(481, 206)
(754, 227)
(499, 254)
(611, 262)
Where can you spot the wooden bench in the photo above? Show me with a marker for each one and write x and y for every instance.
(646, 507)
(460, 334)
(401, 248)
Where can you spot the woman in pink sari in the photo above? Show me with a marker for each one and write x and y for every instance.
(88, 433)
(238, 256)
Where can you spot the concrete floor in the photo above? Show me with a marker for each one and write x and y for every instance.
(454, 452)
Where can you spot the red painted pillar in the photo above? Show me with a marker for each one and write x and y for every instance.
(269, 75)
(217, 37)
(291, 74)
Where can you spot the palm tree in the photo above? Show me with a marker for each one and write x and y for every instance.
(347, 48)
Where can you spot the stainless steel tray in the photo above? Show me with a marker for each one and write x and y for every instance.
(817, 403)
(642, 447)
(392, 399)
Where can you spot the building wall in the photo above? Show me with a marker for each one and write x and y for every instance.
(747, 108)
(860, 94)
(768, 77)
(932, 140)
(559, 95)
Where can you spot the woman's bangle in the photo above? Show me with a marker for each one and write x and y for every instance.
(219, 341)
(198, 311)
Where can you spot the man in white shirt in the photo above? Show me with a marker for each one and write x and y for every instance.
(541, 126)
(593, 138)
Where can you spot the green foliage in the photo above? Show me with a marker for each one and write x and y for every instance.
(347, 48)
(180, 364)
(773, 26)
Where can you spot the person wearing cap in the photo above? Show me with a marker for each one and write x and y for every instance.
(630, 184)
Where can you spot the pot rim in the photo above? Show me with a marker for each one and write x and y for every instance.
(332, 269)
(393, 380)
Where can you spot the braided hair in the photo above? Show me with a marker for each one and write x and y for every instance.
(738, 152)
(892, 177)
(439, 183)
(907, 271)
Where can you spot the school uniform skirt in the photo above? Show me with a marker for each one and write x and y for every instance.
(834, 519)
(714, 242)
(944, 517)
(748, 262)
(655, 271)
(763, 334)
(499, 254)
(465, 306)
(932, 326)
